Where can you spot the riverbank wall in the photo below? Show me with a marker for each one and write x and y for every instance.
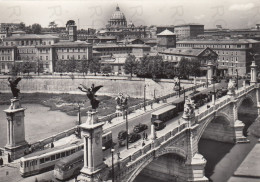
(134, 87)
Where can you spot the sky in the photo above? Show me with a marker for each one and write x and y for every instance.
(95, 13)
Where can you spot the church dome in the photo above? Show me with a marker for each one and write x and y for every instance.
(117, 15)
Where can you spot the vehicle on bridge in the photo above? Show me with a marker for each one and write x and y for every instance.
(165, 113)
(159, 125)
(69, 166)
(140, 127)
(133, 137)
(45, 160)
(122, 135)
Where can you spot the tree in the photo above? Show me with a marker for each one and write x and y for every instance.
(22, 26)
(53, 25)
(71, 65)
(85, 66)
(94, 66)
(194, 67)
(38, 66)
(183, 67)
(70, 22)
(27, 67)
(130, 65)
(60, 66)
(36, 28)
(169, 70)
(106, 69)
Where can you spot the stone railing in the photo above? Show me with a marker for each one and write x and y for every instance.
(221, 103)
(136, 157)
(41, 143)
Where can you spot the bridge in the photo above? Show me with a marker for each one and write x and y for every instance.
(173, 154)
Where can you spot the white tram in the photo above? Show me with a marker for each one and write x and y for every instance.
(45, 160)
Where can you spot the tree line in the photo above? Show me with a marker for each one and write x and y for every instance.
(154, 67)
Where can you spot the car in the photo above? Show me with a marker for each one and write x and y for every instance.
(122, 135)
(133, 137)
(140, 127)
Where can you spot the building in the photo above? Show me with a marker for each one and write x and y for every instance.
(188, 31)
(166, 39)
(233, 54)
(110, 49)
(118, 26)
(206, 55)
(101, 39)
(41, 49)
(9, 26)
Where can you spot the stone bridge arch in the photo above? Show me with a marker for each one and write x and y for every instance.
(250, 97)
(203, 125)
(155, 155)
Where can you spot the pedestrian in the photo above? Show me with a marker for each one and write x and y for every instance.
(118, 155)
(9, 158)
(52, 145)
(143, 135)
(146, 136)
(1, 161)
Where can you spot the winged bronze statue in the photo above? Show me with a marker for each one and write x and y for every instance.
(91, 94)
(13, 84)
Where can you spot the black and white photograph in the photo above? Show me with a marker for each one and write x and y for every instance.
(129, 91)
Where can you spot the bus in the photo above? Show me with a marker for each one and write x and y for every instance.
(69, 166)
(45, 160)
(165, 113)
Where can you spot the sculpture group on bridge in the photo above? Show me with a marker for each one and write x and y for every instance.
(121, 101)
(91, 94)
(189, 108)
(13, 85)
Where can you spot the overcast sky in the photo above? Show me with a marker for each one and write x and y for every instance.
(96, 13)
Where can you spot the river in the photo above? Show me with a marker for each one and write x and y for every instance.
(40, 122)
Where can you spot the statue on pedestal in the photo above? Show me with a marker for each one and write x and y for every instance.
(91, 94)
(231, 87)
(189, 108)
(13, 84)
(176, 84)
(121, 101)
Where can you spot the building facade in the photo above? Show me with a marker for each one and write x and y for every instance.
(188, 31)
(165, 40)
(233, 54)
(41, 49)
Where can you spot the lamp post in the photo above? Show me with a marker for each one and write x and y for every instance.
(126, 124)
(237, 78)
(179, 86)
(144, 97)
(113, 177)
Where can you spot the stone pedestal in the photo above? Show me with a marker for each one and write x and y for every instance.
(16, 143)
(195, 171)
(94, 168)
(253, 73)
(239, 137)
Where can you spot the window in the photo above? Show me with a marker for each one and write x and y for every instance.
(47, 57)
(53, 157)
(62, 57)
(63, 154)
(40, 57)
(57, 156)
(68, 50)
(47, 159)
(78, 50)
(3, 66)
(49, 42)
(72, 50)
(68, 56)
(62, 50)
(78, 56)
(47, 65)
(41, 160)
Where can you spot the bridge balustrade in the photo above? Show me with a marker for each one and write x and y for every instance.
(167, 135)
(146, 148)
(175, 131)
(136, 155)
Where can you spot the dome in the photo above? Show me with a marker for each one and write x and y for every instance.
(117, 15)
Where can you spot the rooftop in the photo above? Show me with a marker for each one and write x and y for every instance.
(166, 32)
(30, 36)
(183, 51)
(220, 41)
(71, 43)
(189, 24)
